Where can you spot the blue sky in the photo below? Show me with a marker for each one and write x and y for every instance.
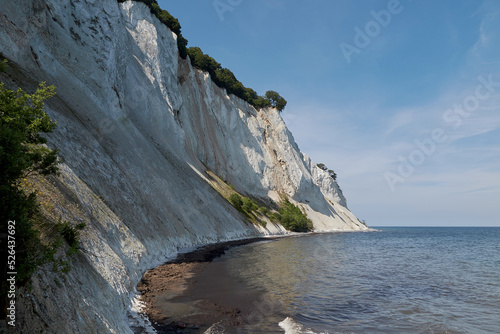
(400, 98)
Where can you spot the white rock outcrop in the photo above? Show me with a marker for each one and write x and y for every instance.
(137, 128)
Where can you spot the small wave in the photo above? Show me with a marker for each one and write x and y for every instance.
(216, 328)
(138, 320)
(290, 326)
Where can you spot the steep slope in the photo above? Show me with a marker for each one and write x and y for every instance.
(137, 128)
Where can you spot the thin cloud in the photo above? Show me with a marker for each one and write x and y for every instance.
(400, 120)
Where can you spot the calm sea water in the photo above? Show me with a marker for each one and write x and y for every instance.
(397, 280)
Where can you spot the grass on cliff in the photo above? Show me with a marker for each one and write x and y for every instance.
(245, 205)
(288, 215)
(24, 157)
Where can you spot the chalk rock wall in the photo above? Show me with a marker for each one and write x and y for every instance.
(137, 129)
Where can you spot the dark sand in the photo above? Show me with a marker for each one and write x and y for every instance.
(188, 295)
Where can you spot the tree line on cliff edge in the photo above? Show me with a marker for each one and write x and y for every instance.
(222, 77)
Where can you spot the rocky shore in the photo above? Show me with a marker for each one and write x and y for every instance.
(177, 294)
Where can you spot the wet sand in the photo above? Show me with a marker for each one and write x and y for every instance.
(188, 295)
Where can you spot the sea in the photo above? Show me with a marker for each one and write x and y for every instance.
(392, 280)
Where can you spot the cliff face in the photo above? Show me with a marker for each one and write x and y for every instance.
(137, 129)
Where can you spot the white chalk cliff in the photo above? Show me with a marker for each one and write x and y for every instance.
(137, 129)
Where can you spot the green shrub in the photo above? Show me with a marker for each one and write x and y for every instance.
(249, 205)
(322, 166)
(261, 102)
(250, 96)
(71, 234)
(330, 171)
(276, 100)
(65, 232)
(293, 219)
(202, 61)
(264, 210)
(224, 78)
(236, 201)
(22, 122)
(275, 217)
(182, 46)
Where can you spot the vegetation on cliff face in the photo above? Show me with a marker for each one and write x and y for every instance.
(330, 171)
(292, 218)
(23, 155)
(288, 215)
(222, 77)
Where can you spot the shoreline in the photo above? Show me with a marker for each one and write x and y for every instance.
(176, 294)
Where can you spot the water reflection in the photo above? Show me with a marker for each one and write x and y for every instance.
(400, 280)
(288, 267)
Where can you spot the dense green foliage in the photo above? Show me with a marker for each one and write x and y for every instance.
(275, 100)
(222, 77)
(237, 202)
(22, 121)
(249, 205)
(263, 210)
(172, 23)
(243, 204)
(249, 208)
(71, 234)
(275, 217)
(288, 215)
(293, 219)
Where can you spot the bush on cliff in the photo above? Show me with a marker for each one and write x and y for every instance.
(22, 153)
(236, 201)
(224, 78)
(293, 219)
(330, 171)
(249, 205)
(275, 100)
